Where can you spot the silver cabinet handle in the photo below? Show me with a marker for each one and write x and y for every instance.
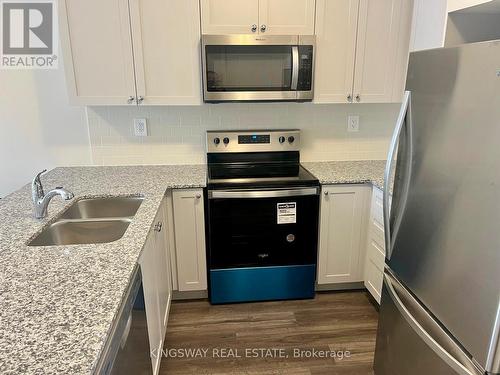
(263, 28)
(427, 329)
(358, 98)
(198, 196)
(158, 226)
(349, 98)
(326, 193)
(140, 99)
(130, 99)
(254, 28)
(404, 117)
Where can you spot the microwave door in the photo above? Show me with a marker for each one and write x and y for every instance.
(251, 72)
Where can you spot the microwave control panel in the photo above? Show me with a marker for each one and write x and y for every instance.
(305, 68)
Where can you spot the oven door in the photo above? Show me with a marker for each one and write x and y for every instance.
(262, 244)
(254, 68)
(260, 228)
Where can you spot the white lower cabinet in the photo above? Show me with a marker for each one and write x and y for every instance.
(189, 224)
(156, 282)
(342, 233)
(375, 250)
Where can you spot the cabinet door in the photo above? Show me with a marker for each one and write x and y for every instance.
(229, 16)
(286, 17)
(97, 47)
(342, 234)
(166, 35)
(382, 50)
(148, 262)
(375, 251)
(336, 29)
(164, 283)
(189, 223)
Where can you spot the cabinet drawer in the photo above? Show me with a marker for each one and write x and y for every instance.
(374, 280)
(376, 251)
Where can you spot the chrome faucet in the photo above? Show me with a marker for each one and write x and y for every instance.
(40, 200)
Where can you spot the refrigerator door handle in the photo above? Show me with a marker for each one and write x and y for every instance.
(404, 119)
(433, 335)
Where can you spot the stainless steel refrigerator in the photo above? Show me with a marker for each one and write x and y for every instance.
(440, 311)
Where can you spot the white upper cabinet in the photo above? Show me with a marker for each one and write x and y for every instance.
(166, 39)
(151, 45)
(382, 50)
(285, 17)
(429, 24)
(274, 17)
(342, 234)
(97, 51)
(369, 65)
(336, 28)
(229, 16)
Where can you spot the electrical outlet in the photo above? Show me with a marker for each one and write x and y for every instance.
(140, 127)
(353, 124)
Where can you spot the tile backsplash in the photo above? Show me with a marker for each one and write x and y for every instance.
(176, 135)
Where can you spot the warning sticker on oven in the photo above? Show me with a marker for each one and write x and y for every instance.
(287, 213)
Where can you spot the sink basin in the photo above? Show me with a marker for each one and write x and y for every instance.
(90, 220)
(92, 208)
(73, 232)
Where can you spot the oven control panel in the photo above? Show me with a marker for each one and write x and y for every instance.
(253, 141)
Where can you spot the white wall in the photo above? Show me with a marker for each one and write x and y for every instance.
(38, 128)
(177, 134)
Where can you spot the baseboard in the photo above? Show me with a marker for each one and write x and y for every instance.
(340, 286)
(195, 294)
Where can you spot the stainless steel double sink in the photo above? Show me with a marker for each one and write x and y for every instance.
(90, 221)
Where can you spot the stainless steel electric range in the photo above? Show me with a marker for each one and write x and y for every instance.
(262, 215)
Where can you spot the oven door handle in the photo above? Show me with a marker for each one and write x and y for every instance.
(239, 194)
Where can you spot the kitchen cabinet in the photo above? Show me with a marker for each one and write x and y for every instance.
(344, 210)
(429, 24)
(156, 281)
(273, 17)
(362, 50)
(166, 39)
(98, 56)
(375, 251)
(148, 264)
(164, 281)
(189, 224)
(149, 57)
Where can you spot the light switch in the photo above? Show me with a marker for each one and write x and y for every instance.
(140, 127)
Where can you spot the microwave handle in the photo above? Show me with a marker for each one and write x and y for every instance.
(295, 67)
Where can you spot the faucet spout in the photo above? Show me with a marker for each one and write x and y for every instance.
(41, 200)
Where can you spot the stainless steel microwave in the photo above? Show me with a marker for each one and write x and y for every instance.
(258, 68)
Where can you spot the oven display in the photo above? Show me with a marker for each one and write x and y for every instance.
(254, 138)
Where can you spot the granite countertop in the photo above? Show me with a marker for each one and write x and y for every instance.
(348, 172)
(57, 304)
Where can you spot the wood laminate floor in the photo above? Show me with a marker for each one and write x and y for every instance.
(273, 332)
